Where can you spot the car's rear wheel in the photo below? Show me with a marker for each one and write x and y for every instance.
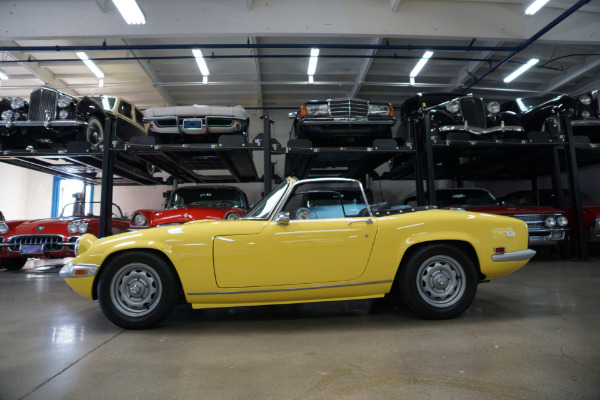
(137, 290)
(552, 126)
(94, 132)
(438, 281)
(12, 263)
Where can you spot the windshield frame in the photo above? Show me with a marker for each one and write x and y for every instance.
(268, 204)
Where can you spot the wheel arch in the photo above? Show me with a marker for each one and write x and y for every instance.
(460, 244)
(155, 252)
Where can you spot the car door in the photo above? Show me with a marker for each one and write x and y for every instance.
(301, 252)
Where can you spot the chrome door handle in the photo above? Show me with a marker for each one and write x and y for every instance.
(367, 221)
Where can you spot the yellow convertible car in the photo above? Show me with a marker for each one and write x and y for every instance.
(309, 240)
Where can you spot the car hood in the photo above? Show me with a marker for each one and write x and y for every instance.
(185, 214)
(45, 226)
(512, 210)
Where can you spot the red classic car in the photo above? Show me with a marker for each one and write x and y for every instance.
(590, 208)
(52, 237)
(546, 225)
(194, 202)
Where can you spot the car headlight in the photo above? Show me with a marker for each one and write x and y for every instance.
(379, 109)
(73, 227)
(585, 99)
(83, 227)
(317, 110)
(139, 220)
(63, 114)
(64, 102)
(585, 114)
(452, 106)
(17, 103)
(7, 115)
(562, 221)
(232, 216)
(550, 222)
(3, 228)
(493, 107)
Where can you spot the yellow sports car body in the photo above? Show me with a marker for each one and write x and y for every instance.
(309, 240)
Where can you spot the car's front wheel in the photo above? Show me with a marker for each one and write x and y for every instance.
(137, 290)
(438, 281)
(94, 132)
(12, 263)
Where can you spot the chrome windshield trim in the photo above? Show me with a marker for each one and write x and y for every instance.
(290, 289)
(522, 255)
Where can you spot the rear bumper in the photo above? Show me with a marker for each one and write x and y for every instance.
(522, 255)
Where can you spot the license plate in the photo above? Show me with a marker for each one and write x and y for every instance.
(192, 124)
(31, 249)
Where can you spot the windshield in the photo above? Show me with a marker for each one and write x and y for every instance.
(265, 207)
(87, 209)
(531, 102)
(207, 197)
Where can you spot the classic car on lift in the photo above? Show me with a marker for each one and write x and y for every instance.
(53, 237)
(197, 123)
(190, 203)
(458, 117)
(547, 197)
(543, 114)
(343, 122)
(53, 118)
(432, 258)
(546, 225)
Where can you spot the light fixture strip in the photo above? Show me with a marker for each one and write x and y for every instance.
(426, 56)
(535, 6)
(131, 11)
(3, 76)
(521, 70)
(312, 62)
(200, 61)
(90, 64)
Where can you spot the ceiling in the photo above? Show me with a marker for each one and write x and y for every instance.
(257, 51)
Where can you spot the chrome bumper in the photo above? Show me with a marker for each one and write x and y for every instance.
(522, 255)
(481, 131)
(68, 123)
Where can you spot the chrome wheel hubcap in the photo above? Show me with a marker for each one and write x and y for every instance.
(135, 289)
(440, 281)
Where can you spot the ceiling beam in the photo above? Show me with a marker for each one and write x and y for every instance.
(590, 63)
(254, 52)
(394, 5)
(364, 68)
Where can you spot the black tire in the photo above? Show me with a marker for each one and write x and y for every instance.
(137, 290)
(94, 132)
(438, 281)
(12, 263)
(552, 126)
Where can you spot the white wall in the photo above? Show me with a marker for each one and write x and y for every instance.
(24, 194)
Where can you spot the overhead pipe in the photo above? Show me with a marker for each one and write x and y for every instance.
(532, 39)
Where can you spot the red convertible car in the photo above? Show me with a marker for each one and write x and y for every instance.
(546, 225)
(192, 203)
(52, 237)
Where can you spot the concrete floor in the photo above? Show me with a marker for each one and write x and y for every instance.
(532, 335)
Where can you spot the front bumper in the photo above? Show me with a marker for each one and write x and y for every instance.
(67, 123)
(346, 121)
(481, 131)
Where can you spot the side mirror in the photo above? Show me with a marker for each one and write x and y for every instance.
(283, 218)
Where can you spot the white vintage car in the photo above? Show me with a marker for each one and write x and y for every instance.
(196, 123)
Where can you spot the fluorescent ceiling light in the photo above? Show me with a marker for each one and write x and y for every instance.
(201, 63)
(312, 62)
(204, 79)
(3, 76)
(130, 10)
(535, 6)
(521, 69)
(90, 64)
(421, 63)
(311, 79)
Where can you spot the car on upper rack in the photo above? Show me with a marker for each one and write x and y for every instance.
(276, 254)
(458, 117)
(197, 123)
(542, 113)
(547, 197)
(546, 225)
(342, 122)
(53, 237)
(189, 203)
(53, 118)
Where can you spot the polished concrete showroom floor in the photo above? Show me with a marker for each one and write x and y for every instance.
(532, 335)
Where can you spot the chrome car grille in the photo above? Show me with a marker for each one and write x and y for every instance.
(348, 108)
(473, 111)
(535, 222)
(50, 242)
(40, 101)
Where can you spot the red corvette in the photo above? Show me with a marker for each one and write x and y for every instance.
(194, 202)
(52, 237)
